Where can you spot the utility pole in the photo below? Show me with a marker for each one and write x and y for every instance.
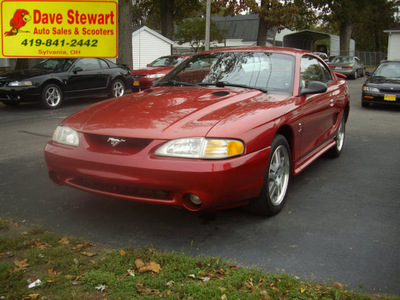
(208, 24)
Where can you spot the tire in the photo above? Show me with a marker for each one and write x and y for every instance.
(117, 88)
(276, 180)
(364, 104)
(335, 151)
(52, 96)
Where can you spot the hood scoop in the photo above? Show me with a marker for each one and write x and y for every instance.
(221, 93)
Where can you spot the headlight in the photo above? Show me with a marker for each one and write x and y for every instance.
(155, 76)
(20, 83)
(201, 148)
(370, 89)
(66, 135)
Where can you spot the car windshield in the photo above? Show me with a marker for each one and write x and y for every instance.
(342, 60)
(391, 70)
(54, 64)
(269, 72)
(166, 61)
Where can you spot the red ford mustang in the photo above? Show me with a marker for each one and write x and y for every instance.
(225, 128)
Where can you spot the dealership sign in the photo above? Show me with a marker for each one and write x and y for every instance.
(40, 28)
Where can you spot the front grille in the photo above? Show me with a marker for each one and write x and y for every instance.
(137, 76)
(121, 190)
(127, 146)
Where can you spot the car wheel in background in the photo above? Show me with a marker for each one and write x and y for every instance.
(117, 88)
(338, 148)
(52, 96)
(364, 103)
(276, 180)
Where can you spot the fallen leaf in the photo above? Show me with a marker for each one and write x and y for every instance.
(122, 252)
(131, 272)
(224, 297)
(204, 279)
(338, 285)
(151, 267)
(101, 287)
(32, 297)
(64, 241)
(192, 276)
(139, 263)
(76, 261)
(89, 254)
(142, 290)
(264, 295)
(21, 264)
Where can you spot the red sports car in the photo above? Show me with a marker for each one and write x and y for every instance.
(225, 128)
(144, 78)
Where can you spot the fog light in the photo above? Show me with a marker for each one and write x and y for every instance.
(195, 199)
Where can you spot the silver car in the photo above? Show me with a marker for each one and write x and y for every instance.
(351, 66)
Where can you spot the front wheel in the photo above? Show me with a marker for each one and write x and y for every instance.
(52, 96)
(117, 88)
(276, 180)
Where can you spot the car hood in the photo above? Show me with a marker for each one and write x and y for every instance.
(152, 70)
(384, 80)
(173, 112)
(24, 74)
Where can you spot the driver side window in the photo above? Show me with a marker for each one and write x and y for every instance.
(88, 64)
(313, 70)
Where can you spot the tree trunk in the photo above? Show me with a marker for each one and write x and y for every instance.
(345, 36)
(262, 32)
(167, 18)
(125, 33)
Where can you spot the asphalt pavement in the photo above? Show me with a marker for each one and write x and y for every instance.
(341, 221)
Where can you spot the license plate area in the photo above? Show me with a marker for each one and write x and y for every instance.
(389, 97)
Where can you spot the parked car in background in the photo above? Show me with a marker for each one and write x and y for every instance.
(225, 128)
(323, 55)
(144, 78)
(383, 85)
(350, 66)
(54, 79)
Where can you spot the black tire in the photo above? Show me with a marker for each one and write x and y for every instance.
(335, 151)
(117, 88)
(276, 180)
(364, 104)
(52, 96)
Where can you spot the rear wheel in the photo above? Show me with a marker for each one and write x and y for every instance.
(276, 181)
(337, 149)
(117, 88)
(52, 96)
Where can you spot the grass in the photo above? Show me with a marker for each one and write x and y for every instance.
(70, 268)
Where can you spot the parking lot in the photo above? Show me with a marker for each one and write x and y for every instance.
(341, 221)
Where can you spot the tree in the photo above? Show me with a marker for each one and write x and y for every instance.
(378, 16)
(273, 14)
(192, 31)
(125, 32)
(343, 14)
(164, 14)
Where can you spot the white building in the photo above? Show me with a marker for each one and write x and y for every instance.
(148, 45)
(394, 43)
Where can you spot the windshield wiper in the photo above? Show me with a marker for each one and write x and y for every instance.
(225, 83)
(176, 82)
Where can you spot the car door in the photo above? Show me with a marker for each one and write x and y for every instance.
(86, 75)
(318, 110)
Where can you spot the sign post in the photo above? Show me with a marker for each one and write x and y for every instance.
(66, 28)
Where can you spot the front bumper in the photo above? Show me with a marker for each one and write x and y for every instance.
(381, 98)
(16, 94)
(160, 180)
